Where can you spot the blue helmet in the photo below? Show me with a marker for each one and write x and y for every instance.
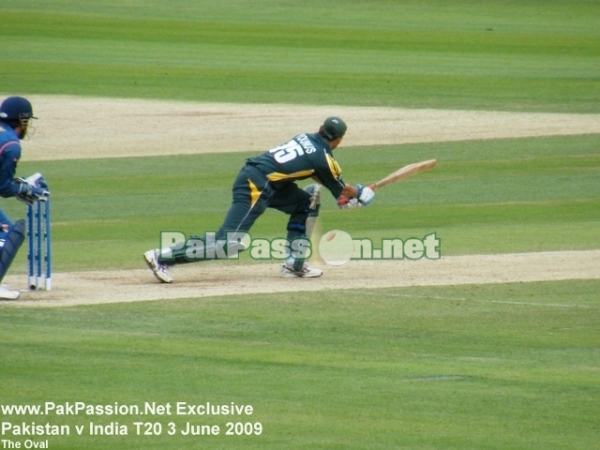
(16, 108)
(17, 111)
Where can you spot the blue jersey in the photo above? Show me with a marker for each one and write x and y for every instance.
(10, 153)
(305, 156)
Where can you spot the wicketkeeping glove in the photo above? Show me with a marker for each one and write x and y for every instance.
(30, 194)
(32, 189)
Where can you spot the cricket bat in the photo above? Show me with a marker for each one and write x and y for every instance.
(404, 172)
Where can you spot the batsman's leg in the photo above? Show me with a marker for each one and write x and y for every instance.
(251, 193)
(160, 271)
(315, 205)
(303, 208)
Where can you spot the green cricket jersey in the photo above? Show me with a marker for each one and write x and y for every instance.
(305, 156)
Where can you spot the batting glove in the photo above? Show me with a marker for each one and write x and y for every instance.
(365, 194)
(348, 202)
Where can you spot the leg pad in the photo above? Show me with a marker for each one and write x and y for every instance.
(14, 240)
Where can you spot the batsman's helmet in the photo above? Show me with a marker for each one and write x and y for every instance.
(333, 128)
(17, 111)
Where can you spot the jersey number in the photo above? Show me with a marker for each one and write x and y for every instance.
(286, 152)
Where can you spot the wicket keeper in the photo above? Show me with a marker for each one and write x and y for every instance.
(16, 114)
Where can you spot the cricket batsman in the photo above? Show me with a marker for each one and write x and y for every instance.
(16, 114)
(269, 181)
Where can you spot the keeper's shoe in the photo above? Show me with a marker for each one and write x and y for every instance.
(160, 271)
(8, 294)
(305, 272)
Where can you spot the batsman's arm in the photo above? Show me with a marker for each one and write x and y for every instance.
(349, 191)
(362, 196)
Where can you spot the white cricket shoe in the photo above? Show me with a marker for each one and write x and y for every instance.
(8, 294)
(161, 272)
(305, 272)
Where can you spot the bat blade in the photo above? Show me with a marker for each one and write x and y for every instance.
(405, 172)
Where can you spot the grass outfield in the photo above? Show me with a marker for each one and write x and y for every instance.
(510, 366)
(506, 366)
(535, 55)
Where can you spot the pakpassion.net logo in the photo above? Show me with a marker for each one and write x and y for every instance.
(335, 247)
(338, 247)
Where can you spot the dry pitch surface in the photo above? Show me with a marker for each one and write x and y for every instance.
(72, 127)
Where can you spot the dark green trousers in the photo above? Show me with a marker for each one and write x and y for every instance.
(252, 195)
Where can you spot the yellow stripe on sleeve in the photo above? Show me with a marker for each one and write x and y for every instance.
(335, 168)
